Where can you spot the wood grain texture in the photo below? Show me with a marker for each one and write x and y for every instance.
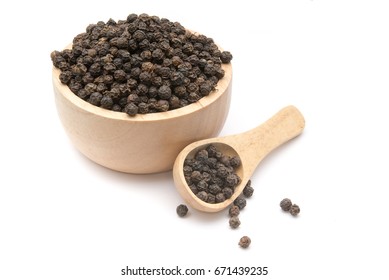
(251, 146)
(142, 144)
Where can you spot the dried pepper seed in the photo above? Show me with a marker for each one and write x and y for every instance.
(202, 155)
(228, 192)
(240, 202)
(131, 109)
(220, 197)
(294, 210)
(234, 211)
(285, 204)
(106, 102)
(182, 210)
(95, 98)
(234, 222)
(248, 190)
(244, 242)
(154, 57)
(211, 198)
(226, 57)
(203, 195)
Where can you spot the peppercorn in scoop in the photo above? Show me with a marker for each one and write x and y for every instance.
(211, 175)
(144, 64)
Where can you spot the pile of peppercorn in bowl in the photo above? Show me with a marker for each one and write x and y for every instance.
(132, 94)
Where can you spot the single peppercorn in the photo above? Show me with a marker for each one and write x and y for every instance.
(285, 204)
(226, 57)
(234, 222)
(244, 242)
(232, 180)
(228, 192)
(248, 190)
(203, 195)
(220, 197)
(294, 210)
(182, 210)
(240, 202)
(234, 211)
(202, 155)
(211, 198)
(95, 98)
(131, 109)
(106, 102)
(164, 92)
(196, 176)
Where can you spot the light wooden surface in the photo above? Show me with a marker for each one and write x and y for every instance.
(147, 143)
(251, 146)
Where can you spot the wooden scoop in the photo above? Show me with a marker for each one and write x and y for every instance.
(251, 146)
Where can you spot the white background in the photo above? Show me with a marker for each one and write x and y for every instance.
(64, 217)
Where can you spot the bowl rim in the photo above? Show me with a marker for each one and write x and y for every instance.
(192, 108)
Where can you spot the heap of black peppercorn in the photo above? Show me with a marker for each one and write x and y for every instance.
(140, 65)
(211, 175)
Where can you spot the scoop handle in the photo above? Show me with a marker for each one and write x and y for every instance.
(257, 143)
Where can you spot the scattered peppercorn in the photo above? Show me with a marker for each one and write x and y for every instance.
(160, 61)
(234, 222)
(240, 202)
(285, 204)
(244, 242)
(182, 210)
(234, 211)
(294, 210)
(248, 190)
(226, 57)
(211, 175)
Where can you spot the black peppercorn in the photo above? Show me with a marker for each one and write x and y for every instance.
(202, 155)
(248, 190)
(182, 210)
(141, 52)
(214, 189)
(232, 180)
(95, 98)
(285, 204)
(240, 202)
(234, 222)
(220, 197)
(131, 109)
(203, 195)
(106, 102)
(234, 211)
(196, 176)
(244, 242)
(294, 210)
(211, 198)
(193, 188)
(226, 57)
(228, 192)
(164, 92)
(209, 175)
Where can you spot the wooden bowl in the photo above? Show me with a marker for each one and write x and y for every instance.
(146, 143)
